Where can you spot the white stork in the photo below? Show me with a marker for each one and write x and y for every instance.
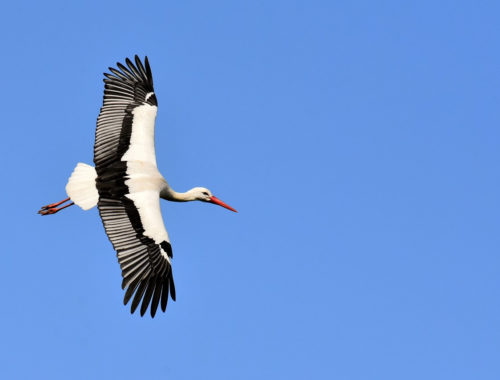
(126, 186)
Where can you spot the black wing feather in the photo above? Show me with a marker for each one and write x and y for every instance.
(156, 296)
(138, 296)
(147, 296)
(164, 295)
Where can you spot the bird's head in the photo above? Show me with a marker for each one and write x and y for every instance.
(205, 195)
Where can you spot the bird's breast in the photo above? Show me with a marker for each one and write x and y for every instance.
(143, 176)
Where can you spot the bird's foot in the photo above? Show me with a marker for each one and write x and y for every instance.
(48, 211)
(52, 208)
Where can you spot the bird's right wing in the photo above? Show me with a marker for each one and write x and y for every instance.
(125, 126)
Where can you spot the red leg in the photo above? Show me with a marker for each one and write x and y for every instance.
(52, 208)
(54, 204)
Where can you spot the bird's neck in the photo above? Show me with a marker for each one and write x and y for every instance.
(171, 195)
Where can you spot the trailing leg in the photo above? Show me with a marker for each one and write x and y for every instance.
(52, 208)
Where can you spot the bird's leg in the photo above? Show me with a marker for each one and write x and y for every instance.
(52, 208)
(52, 205)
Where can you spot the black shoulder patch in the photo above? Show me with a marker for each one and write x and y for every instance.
(152, 100)
(165, 245)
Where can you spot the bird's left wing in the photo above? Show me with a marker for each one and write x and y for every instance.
(134, 225)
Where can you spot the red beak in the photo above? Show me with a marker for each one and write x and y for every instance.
(217, 201)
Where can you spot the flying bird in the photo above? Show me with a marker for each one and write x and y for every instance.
(126, 186)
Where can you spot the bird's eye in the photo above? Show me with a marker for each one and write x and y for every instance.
(205, 193)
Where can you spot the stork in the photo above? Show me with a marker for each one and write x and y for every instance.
(126, 186)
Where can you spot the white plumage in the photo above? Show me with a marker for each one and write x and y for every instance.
(127, 186)
(81, 186)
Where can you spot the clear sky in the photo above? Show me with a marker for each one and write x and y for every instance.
(359, 141)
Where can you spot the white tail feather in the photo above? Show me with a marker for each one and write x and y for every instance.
(81, 186)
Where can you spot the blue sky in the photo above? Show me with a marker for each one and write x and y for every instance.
(359, 142)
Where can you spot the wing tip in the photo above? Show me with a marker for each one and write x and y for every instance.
(150, 293)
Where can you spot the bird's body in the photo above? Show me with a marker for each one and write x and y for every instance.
(126, 186)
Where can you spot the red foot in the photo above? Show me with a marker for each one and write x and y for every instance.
(48, 211)
(52, 208)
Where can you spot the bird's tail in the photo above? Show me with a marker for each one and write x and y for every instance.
(81, 186)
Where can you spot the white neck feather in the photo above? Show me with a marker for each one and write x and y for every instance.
(171, 195)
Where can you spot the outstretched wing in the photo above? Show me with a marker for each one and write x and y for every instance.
(129, 204)
(125, 126)
(144, 258)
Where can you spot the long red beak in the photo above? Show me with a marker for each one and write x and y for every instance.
(217, 201)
